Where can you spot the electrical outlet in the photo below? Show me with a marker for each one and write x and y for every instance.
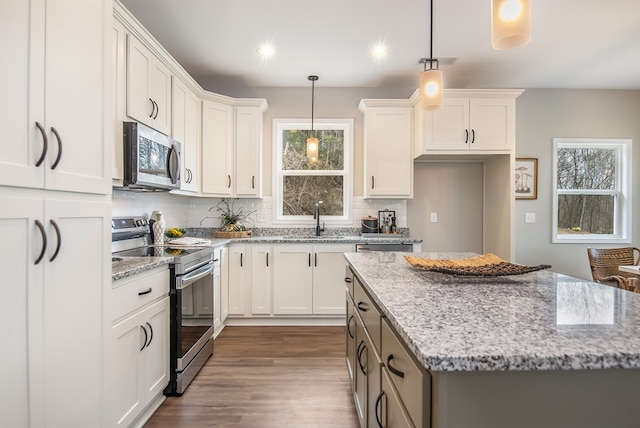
(434, 217)
(529, 217)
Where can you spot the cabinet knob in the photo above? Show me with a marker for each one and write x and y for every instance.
(59, 140)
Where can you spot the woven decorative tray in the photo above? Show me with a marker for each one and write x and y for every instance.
(485, 265)
(237, 234)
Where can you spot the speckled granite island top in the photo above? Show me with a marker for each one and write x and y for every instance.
(536, 321)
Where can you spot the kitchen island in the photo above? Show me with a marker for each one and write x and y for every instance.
(533, 350)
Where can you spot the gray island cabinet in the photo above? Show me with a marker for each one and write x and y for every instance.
(541, 349)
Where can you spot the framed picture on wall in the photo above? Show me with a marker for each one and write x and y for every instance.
(526, 175)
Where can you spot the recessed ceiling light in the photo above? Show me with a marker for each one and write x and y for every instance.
(266, 50)
(379, 51)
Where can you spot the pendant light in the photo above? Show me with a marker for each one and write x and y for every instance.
(431, 85)
(510, 23)
(312, 141)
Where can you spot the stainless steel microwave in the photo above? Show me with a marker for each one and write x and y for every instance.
(152, 160)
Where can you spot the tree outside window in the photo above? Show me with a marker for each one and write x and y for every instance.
(302, 182)
(592, 188)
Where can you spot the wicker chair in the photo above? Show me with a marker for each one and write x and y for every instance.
(604, 264)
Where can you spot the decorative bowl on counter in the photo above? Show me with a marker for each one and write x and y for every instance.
(175, 232)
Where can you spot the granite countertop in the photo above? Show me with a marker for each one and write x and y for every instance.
(128, 266)
(536, 321)
(323, 239)
(132, 265)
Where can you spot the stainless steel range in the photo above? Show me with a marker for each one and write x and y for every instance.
(191, 296)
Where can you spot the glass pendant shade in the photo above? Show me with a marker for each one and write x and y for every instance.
(312, 149)
(510, 23)
(431, 89)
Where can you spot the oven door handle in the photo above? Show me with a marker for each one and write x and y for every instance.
(195, 275)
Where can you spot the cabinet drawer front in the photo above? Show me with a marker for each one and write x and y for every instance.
(411, 382)
(131, 293)
(368, 312)
(389, 408)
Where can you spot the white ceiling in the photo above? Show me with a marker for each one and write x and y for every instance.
(575, 43)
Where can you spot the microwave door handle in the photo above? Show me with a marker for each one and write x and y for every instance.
(174, 164)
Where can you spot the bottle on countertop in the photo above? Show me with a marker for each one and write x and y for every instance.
(158, 228)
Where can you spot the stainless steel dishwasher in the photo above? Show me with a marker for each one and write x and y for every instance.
(384, 246)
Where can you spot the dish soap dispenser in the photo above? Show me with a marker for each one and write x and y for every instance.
(158, 228)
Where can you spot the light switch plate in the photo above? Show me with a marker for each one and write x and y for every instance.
(529, 217)
(434, 217)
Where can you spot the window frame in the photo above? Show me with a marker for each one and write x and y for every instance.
(280, 125)
(622, 192)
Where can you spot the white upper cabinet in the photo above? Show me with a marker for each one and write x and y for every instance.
(54, 115)
(148, 87)
(186, 129)
(469, 121)
(232, 147)
(388, 164)
(217, 149)
(248, 151)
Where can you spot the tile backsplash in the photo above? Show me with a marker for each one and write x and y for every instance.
(185, 211)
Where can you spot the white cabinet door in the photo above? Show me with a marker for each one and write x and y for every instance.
(22, 144)
(156, 353)
(248, 152)
(186, 129)
(239, 277)
(217, 304)
(140, 361)
(388, 163)
(224, 284)
(217, 149)
(22, 281)
(261, 268)
(148, 87)
(64, 388)
(292, 279)
(471, 124)
(448, 127)
(492, 122)
(54, 112)
(127, 398)
(328, 278)
(118, 101)
(72, 380)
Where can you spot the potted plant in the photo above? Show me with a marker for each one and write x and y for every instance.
(232, 220)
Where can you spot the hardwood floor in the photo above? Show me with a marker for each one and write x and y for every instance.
(267, 377)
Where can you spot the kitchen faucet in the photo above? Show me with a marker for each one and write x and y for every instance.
(316, 216)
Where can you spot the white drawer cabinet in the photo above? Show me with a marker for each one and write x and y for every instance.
(140, 361)
(137, 351)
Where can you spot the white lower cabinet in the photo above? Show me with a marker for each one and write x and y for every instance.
(239, 278)
(54, 270)
(137, 367)
(224, 284)
(292, 279)
(309, 279)
(261, 275)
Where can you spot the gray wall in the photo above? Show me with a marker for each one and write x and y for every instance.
(454, 191)
(543, 114)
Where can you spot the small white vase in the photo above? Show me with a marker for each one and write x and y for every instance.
(158, 229)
